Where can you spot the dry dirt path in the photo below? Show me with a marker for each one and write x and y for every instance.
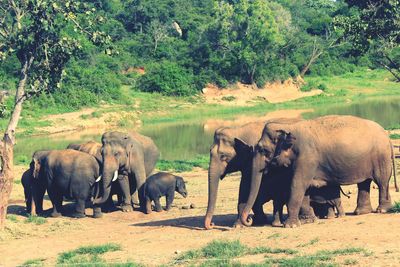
(154, 239)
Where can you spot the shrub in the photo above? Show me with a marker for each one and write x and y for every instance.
(167, 78)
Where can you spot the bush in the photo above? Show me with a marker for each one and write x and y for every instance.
(167, 78)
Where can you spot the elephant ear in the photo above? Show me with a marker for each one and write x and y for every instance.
(286, 139)
(242, 147)
(179, 182)
(36, 168)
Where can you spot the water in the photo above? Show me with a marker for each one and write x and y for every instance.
(186, 140)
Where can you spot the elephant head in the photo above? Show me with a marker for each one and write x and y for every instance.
(275, 148)
(181, 187)
(224, 158)
(118, 154)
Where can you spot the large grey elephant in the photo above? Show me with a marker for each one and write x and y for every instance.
(232, 151)
(94, 148)
(339, 150)
(66, 173)
(131, 154)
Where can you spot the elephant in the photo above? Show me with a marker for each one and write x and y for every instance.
(361, 152)
(163, 184)
(94, 148)
(326, 200)
(131, 154)
(232, 151)
(67, 173)
(33, 200)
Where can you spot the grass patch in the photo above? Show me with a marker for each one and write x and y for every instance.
(219, 253)
(395, 136)
(35, 220)
(274, 236)
(12, 217)
(228, 98)
(395, 208)
(183, 165)
(350, 262)
(86, 254)
(309, 243)
(33, 262)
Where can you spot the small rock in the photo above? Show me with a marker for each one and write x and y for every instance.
(192, 206)
(177, 252)
(185, 207)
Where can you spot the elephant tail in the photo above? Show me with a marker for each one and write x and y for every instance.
(341, 190)
(394, 167)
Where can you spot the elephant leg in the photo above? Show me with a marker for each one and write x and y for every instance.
(158, 204)
(135, 199)
(382, 180)
(339, 208)
(306, 213)
(300, 182)
(148, 205)
(331, 212)
(363, 198)
(278, 213)
(124, 184)
(79, 208)
(56, 199)
(38, 196)
(259, 215)
(244, 190)
(97, 211)
(170, 198)
(109, 205)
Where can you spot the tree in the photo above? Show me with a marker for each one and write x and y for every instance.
(375, 27)
(43, 36)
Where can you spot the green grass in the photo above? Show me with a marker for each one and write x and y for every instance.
(35, 220)
(33, 262)
(225, 250)
(309, 243)
(86, 255)
(395, 208)
(12, 217)
(395, 136)
(350, 262)
(183, 165)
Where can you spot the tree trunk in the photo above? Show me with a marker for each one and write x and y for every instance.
(7, 144)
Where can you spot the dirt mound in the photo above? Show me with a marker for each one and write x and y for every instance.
(245, 95)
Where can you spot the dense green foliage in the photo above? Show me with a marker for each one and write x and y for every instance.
(181, 45)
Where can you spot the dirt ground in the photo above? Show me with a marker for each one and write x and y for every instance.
(157, 238)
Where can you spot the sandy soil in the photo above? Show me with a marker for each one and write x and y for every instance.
(157, 238)
(247, 95)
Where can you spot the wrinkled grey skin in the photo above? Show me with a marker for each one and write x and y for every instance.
(326, 200)
(67, 173)
(94, 148)
(361, 152)
(232, 151)
(132, 155)
(163, 184)
(33, 200)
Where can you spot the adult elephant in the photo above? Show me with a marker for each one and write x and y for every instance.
(67, 173)
(94, 148)
(232, 152)
(131, 154)
(328, 150)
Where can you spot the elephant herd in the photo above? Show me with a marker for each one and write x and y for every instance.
(293, 162)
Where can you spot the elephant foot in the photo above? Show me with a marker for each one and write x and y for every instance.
(78, 215)
(55, 214)
(97, 214)
(305, 219)
(360, 211)
(384, 208)
(237, 224)
(126, 208)
(290, 223)
(341, 215)
(108, 208)
(277, 223)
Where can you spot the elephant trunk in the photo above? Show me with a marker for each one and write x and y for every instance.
(215, 171)
(257, 172)
(110, 174)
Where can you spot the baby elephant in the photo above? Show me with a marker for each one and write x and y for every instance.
(163, 184)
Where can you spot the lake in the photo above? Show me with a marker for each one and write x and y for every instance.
(182, 141)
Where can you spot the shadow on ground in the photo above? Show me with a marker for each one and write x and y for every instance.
(222, 222)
